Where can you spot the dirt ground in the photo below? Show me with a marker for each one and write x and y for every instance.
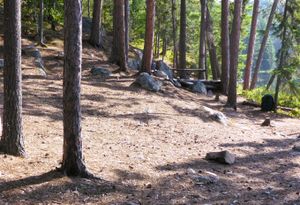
(147, 148)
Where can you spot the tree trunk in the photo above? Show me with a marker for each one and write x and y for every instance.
(72, 164)
(119, 46)
(164, 48)
(149, 36)
(174, 27)
(202, 44)
(251, 44)
(263, 46)
(95, 37)
(225, 46)
(212, 48)
(89, 8)
(12, 141)
(127, 15)
(41, 23)
(283, 53)
(182, 40)
(234, 54)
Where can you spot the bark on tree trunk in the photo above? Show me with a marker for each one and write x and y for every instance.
(127, 26)
(41, 23)
(283, 53)
(212, 48)
(182, 40)
(95, 37)
(263, 45)
(234, 53)
(251, 44)
(149, 36)
(202, 45)
(12, 141)
(225, 46)
(72, 164)
(119, 44)
(174, 26)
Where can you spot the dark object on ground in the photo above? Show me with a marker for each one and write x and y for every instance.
(223, 157)
(147, 82)
(267, 103)
(266, 123)
(296, 148)
(102, 72)
(251, 103)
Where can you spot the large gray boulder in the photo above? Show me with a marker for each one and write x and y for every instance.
(101, 72)
(164, 68)
(147, 82)
(199, 87)
(134, 64)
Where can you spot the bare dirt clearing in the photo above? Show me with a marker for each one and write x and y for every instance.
(147, 147)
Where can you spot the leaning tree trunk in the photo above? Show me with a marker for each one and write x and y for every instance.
(202, 43)
(283, 53)
(12, 141)
(182, 40)
(72, 164)
(149, 37)
(251, 46)
(263, 45)
(95, 37)
(234, 54)
(174, 27)
(225, 46)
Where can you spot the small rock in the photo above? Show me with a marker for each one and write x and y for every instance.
(266, 123)
(148, 185)
(207, 178)
(102, 72)
(223, 157)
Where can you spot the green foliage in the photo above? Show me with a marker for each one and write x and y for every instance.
(289, 100)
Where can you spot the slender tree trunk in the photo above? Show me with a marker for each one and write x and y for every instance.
(41, 22)
(251, 44)
(263, 45)
(234, 54)
(164, 48)
(283, 53)
(212, 48)
(12, 141)
(127, 26)
(72, 164)
(89, 8)
(202, 45)
(149, 37)
(225, 46)
(95, 37)
(119, 46)
(174, 27)
(182, 40)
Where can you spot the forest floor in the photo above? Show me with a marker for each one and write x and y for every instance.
(147, 148)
